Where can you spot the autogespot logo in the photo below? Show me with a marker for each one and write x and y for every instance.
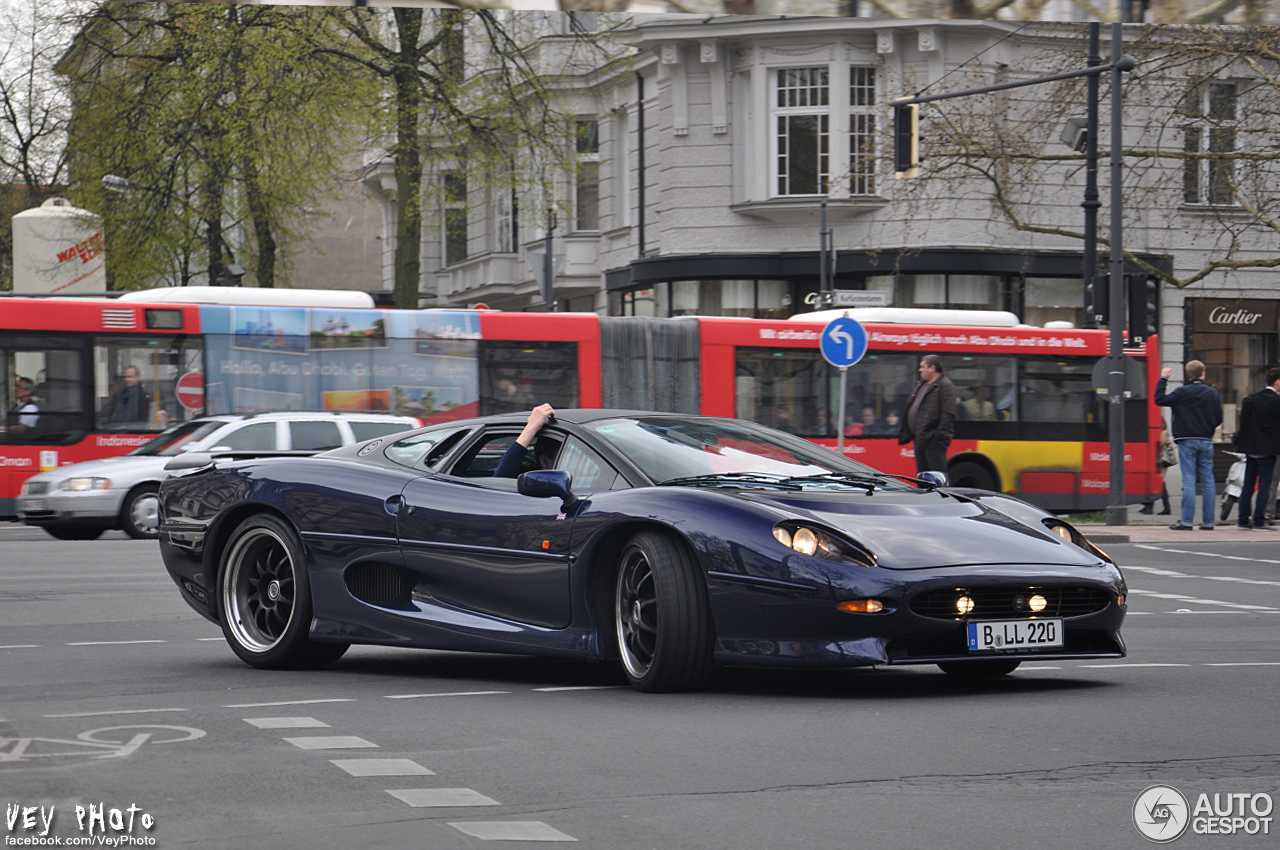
(1160, 813)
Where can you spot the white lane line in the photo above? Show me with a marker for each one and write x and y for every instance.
(382, 767)
(511, 830)
(1106, 666)
(581, 688)
(1021, 669)
(121, 711)
(1210, 555)
(289, 702)
(217, 638)
(286, 722)
(1241, 664)
(331, 742)
(22, 646)
(442, 797)
(1196, 600)
(113, 642)
(456, 694)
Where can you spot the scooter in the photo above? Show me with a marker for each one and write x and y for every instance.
(1235, 484)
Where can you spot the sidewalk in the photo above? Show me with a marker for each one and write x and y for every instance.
(1150, 532)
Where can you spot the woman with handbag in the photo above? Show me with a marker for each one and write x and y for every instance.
(1166, 456)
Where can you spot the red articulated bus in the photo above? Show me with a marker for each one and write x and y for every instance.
(1029, 421)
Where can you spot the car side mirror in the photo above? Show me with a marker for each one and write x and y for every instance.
(937, 479)
(188, 461)
(546, 483)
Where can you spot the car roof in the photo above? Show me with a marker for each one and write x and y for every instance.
(581, 416)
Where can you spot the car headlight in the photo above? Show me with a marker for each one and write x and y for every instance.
(80, 484)
(1070, 534)
(820, 544)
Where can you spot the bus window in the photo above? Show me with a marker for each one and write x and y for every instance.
(518, 375)
(44, 390)
(784, 389)
(135, 381)
(878, 389)
(1059, 391)
(984, 387)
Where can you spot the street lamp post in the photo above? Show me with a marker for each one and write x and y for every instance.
(1117, 513)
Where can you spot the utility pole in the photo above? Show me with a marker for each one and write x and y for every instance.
(1117, 513)
(1091, 202)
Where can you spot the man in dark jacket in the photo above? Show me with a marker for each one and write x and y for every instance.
(1197, 412)
(1259, 439)
(930, 420)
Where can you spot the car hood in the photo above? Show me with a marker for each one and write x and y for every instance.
(122, 470)
(933, 529)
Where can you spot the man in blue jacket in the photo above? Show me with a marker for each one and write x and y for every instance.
(1259, 439)
(1197, 412)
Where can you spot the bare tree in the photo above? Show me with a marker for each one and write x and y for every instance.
(33, 114)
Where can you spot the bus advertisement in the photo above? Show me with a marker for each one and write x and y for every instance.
(106, 375)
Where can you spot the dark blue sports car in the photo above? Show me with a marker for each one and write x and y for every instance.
(672, 542)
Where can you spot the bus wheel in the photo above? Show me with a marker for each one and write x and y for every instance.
(969, 474)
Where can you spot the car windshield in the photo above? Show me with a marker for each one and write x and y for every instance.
(178, 439)
(681, 450)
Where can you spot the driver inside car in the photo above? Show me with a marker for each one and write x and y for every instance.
(544, 448)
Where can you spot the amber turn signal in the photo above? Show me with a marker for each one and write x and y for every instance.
(861, 606)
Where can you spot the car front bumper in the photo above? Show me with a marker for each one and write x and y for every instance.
(64, 507)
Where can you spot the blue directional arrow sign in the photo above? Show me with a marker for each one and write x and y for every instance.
(844, 341)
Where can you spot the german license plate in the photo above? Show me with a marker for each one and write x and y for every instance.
(1015, 635)
(35, 505)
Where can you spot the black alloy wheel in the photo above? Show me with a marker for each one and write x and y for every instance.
(265, 598)
(661, 616)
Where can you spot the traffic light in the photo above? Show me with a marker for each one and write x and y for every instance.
(906, 140)
(1144, 314)
(1097, 301)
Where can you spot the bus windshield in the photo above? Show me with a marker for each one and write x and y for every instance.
(178, 439)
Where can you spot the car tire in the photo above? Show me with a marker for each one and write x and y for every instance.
(969, 474)
(992, 669)
(661, 616)
(141, 512)
(264, 598)
(74, 532)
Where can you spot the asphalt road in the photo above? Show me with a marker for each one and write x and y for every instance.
(114, 693)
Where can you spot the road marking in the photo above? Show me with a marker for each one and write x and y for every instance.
(289, 702)
(382, 767)
(1209, 555)
(442, 797)
(22, 646)
(1180, 598)
(122, 711)
(1174, 574)
(1241, 664)
(217, 638)
(581, 688)
(1105, 666)
(1039, 668)
(286, 722)
(456, 694)
(113, 642)
(511, 830)
(331, 742)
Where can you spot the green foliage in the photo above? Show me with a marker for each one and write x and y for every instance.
(221, 117)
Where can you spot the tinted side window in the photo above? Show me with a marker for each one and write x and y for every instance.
(424, 449)
(368, 430)
(314, 436)
(258, 437)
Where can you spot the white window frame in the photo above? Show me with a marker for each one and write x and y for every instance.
(864, 124)
(589, 158)
(824, 113)
(1198, 137)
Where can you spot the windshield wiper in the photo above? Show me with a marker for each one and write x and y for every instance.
(719, 479)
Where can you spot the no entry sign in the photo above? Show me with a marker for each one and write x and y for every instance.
(190, 390)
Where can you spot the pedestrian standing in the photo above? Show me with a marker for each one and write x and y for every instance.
(930, 422)
(1197, 413)
(1259, 439)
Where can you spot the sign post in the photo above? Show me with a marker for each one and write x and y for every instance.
(844, 342)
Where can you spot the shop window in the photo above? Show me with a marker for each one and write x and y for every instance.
(1053, 299)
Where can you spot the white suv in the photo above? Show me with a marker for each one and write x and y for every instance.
(82, 500)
